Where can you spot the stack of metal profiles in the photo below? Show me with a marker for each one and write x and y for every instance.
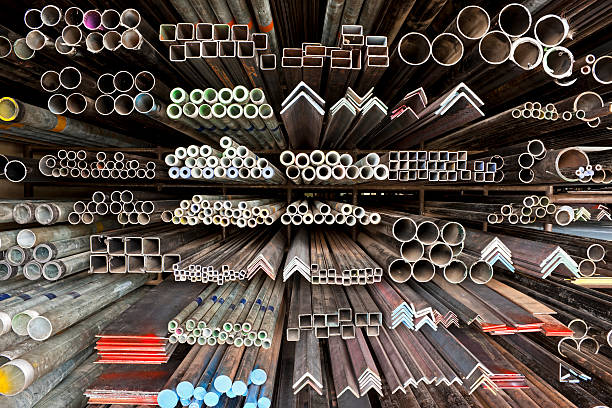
(140, 336)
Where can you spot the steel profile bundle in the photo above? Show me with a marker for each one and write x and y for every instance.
(225, 210)
(540, 258)
(327, 212)
(454, 109)
(97, 165)
(241, 114)
(235, 314)
(140, 249)
(234, 164)
(238, 257)
(52, 252)
(140, 336)
(332, 168)
(302, 113)
(352, 119)
(331, 311)
(415, 165)
(224, 53)
(329, 259)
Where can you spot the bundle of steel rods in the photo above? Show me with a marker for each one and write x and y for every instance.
(242, 211)
(83, 164)
(235, 314)
(327, 212)
(330, 167)
(241, 113)
(234, 164)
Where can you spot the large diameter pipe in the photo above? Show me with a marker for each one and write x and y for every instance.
(514, 19)
(66, 266)
(414, 49)
(22, 372)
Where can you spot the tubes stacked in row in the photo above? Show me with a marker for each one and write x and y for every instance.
(83, 164)
(241, 113)
(241, 211)
(327, 212)
(238, 314)
(330, 167)
(50, 252)
(130, 207)
(124, 83)
(240, 256)
(44, 212)
(72, 22)
(235, 163)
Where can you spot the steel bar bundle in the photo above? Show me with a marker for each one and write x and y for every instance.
(224, 210)
(238, 257)
(209, 374)
(327, 212)
(234, 164)
(241, 113)
(331, 167)
(97, 165)
(234, 314)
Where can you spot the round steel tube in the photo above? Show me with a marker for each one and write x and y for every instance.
(110, 19)
(602, 69)
(579, 327)
(550, 30)
(527, 53)
(400, 271)
(414, 48)
(33, 19)
(73, 16)
(446, 49)
(473, 22)
(558, 62)
(423, 270)
(455, 272)
(514, 19)
(412, 250)
(481, 272)
(92, 19)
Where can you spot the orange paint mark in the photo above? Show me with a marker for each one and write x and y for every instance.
(61, 124)
(17, 125)
(231, 23)
(250, 25)
(267, 28)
